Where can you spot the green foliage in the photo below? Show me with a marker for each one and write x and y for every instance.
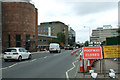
(70, 42)
(86, 43)
(104, 43)
(60, 38)
(54, 41)
(118, 31)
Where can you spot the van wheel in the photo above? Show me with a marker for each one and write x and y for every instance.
(20, 58)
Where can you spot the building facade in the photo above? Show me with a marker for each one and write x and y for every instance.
(0, 29)
(52, 28)
(100, 34)
(71, 34)
(19, 25)
(43, 41)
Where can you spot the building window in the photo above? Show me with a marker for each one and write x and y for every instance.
(18, 40)
(27, 41)
(8, 40)
(27, 37)
(44, 40)
(33, 41)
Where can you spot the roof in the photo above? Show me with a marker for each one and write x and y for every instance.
(46, 36)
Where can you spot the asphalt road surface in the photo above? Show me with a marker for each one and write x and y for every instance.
(42, 65)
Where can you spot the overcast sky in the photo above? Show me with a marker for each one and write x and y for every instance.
(78, 14)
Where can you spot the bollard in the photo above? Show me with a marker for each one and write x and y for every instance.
(88, 65)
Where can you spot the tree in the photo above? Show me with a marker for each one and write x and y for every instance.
(118, 31)
(104, 43)
(54, 41)
(86, 43)
(70, 42)
(61, 37)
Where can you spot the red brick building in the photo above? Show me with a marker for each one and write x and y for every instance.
(19, 25)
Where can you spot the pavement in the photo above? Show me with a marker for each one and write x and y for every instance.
(102, 68)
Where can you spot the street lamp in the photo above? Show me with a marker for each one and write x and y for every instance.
(89, 32)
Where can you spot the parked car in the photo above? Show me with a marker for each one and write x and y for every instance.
(54, 47)
(16, 54)
(68, 48)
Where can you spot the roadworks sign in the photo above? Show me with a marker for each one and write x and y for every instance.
(92, 53)
(111, 51)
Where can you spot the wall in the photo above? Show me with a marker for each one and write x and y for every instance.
(18, 18)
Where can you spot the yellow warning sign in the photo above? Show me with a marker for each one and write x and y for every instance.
(112, 51)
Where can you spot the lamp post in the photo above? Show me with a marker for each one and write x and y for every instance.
(89, 32)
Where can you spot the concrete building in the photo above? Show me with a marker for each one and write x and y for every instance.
(100, 34)
(19, 25)
(71, 34)
(52, 28)
(0, 29)
(43, 41)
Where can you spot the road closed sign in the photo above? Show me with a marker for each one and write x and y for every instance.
(92, 53)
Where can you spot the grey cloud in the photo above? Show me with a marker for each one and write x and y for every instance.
(84, 8)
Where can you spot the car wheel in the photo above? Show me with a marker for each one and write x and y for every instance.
(30, 56)
(20, 58)
(5, 60)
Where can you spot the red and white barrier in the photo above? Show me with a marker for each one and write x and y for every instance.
(81, 65)
(88, 65)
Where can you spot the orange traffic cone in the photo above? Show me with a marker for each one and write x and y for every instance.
(88, 65)
(81, 65)
(76, 54)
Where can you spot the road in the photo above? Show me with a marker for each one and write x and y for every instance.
(42, 65)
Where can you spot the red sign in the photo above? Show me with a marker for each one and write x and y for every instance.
(92, 53)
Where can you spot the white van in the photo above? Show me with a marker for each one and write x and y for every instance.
(54, 47)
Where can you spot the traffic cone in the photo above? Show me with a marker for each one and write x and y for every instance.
(76, 54)
(88, 65)
(81, 65)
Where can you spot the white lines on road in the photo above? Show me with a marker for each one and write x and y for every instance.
(67, 76)
(9, 66)
(22, 63)
(45, 57)
(33, 60)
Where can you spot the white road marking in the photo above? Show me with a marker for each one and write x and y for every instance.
(21, 63)
(33, 60)
(13, 65)
(45, 57)
(67, 76)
